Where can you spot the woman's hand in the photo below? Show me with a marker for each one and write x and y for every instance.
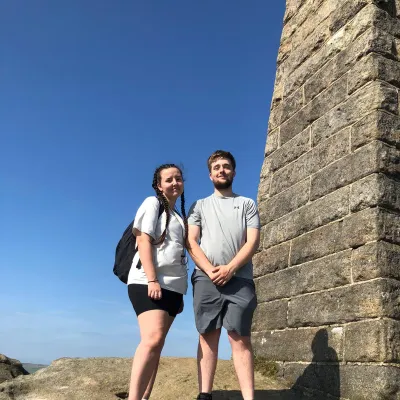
(154, 290)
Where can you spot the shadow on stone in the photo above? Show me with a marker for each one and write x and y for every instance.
(323, 373)
(319, 381)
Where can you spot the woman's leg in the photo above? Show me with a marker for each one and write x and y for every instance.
(149, 388)
(154, 325)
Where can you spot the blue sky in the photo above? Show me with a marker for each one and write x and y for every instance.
(94, 95)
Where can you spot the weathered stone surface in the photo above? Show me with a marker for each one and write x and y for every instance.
(376, 95)
(378, 298)
(265, 181)
(364, 20)
(380, 341)
(315, 18)
(299, 344)
(272, 142)
(304, 14)
(358, 382)
(291, 150)
(108, 379)
(371, 68)
(291, 9)
(373, 157)
(309, 217)
(376, 125)
(271, 260)
(325, 273)
(285, 202)
(376, 260)
(369, 225)
(10, 368)
(288, 107)
(370, 41)
(375, 190)
(319, 157)
(317, 108)
(270, 316)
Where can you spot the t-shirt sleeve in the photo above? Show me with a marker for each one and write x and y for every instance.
(194, 216)
(147, 217)
(252, 217)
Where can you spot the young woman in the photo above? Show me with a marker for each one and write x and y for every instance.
(158, 278)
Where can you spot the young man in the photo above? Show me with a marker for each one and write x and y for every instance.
(228, 229)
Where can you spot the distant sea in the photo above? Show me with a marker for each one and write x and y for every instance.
(31, 368)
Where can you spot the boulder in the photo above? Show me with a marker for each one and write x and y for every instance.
(10, 368)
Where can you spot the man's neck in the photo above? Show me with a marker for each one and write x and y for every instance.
(223, 192)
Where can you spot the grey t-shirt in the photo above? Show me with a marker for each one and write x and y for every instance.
(224, 222)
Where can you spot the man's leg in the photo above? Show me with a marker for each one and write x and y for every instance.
(207, 356)
(242, 353)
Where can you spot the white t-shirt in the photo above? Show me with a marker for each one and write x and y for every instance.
(167, 256)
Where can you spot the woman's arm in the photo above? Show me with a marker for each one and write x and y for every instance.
(145, 248)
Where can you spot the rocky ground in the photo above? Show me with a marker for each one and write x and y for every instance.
(107, 379)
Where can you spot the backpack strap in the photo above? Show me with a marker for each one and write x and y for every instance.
(161, 209)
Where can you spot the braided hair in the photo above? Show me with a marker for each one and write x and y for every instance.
(161, 197)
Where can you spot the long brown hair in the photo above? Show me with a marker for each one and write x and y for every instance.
(161, 197)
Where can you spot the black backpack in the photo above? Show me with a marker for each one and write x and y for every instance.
(126, 250)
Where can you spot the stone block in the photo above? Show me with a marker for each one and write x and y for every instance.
(285, 202)
(291, 150)
(319, 106)
(288, 107)
(308, 9)
(378, 125)
(319, 16)
(371, 158)
(356, 382)
(370, 41)
(270, 316)
(272, 142)
(373, 299)
(298, 344)
(376, 95)
(271, 260)
(307, 218)
(336, 147)
(342, 39)
(371, 68)
(353, 231)
(375, 190)
(291, 9)
(325, 273)
(373, 341)
(376, 260)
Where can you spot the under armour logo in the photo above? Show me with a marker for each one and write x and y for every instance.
(236, 207)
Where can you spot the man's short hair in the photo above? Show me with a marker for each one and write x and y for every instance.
(217, 155)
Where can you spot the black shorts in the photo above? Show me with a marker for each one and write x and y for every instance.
(170, 301)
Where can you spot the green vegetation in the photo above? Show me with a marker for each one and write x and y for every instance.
(265, 367)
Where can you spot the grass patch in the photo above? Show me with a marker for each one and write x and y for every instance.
(265, 367)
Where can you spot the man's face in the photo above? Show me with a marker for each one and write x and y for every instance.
(222, 173)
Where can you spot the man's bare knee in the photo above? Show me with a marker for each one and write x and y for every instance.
(210, 337)
(237, 340)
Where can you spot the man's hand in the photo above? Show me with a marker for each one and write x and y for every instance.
(222, 275)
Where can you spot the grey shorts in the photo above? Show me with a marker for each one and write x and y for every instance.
(231, 306)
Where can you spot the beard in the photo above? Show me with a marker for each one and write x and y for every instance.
(223, 185)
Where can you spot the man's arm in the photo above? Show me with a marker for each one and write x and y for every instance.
(224, 273)
(197, 254)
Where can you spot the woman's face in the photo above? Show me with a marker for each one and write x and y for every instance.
(171, 183)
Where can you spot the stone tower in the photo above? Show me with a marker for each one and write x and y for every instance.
(328, 269)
